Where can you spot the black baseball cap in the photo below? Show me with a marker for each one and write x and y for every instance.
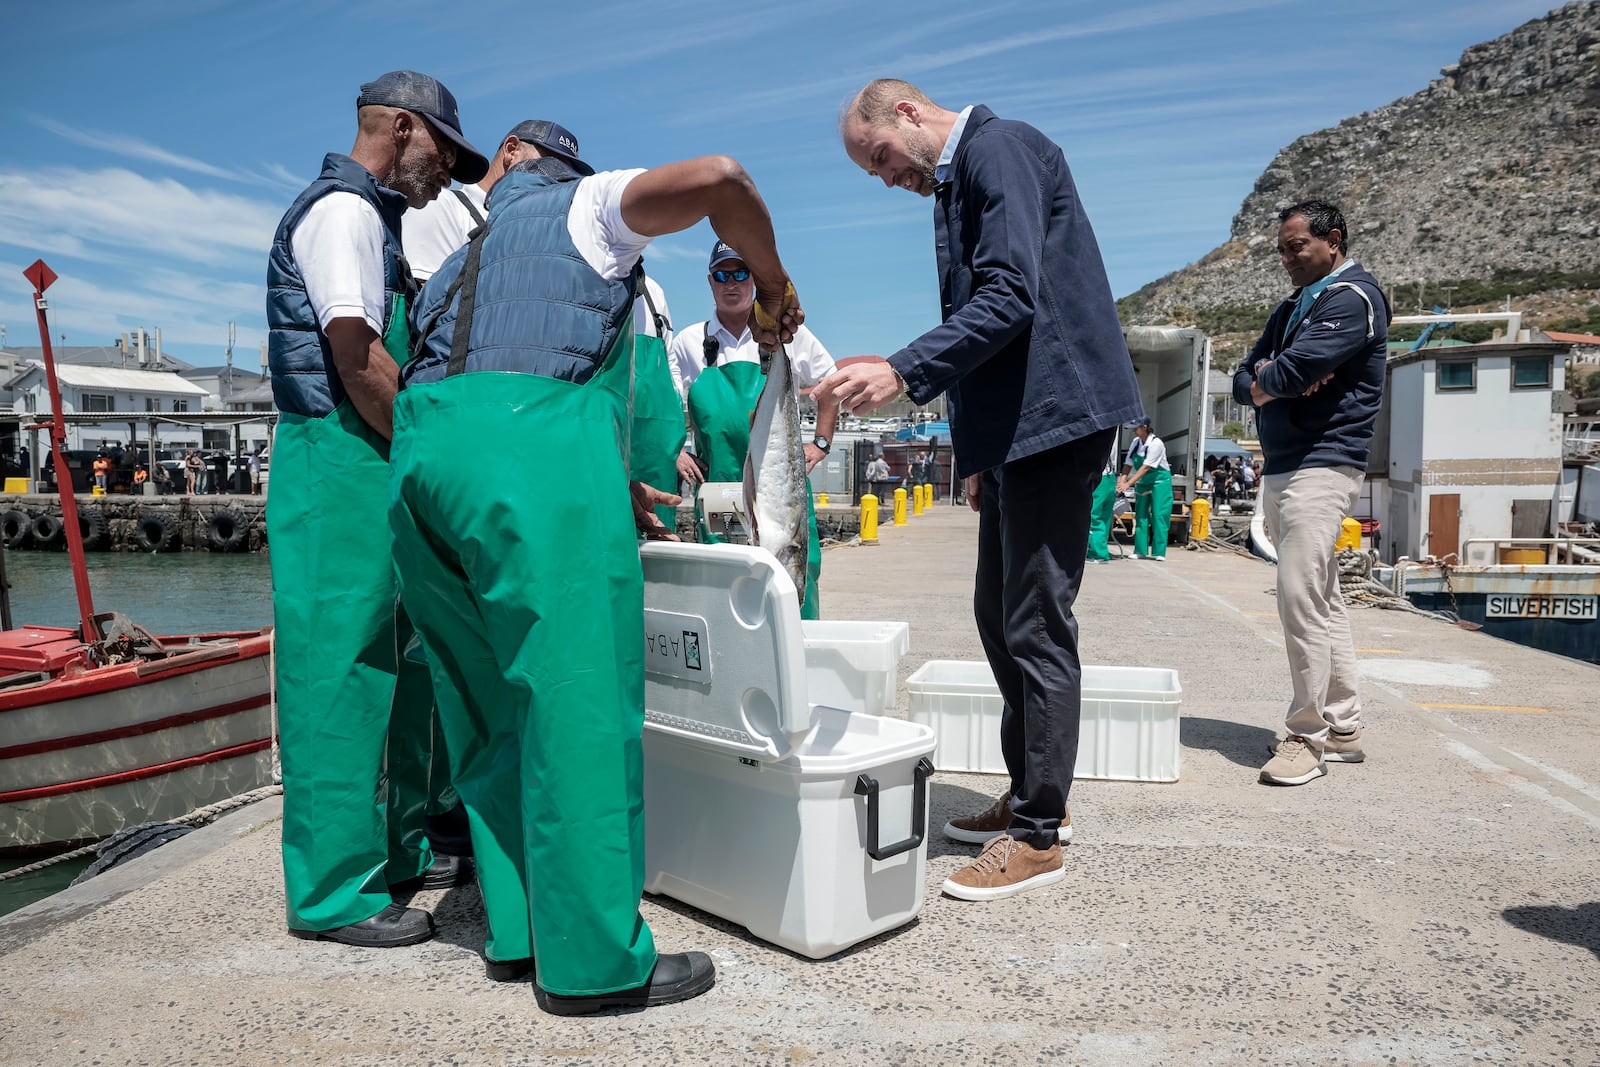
(410, 91)
(552, 138)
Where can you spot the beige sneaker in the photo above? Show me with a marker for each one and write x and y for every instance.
(1295, 763)
(976, 829)
(1343, 748)
(1005, 868)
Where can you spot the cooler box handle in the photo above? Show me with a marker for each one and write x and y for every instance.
(868, 787)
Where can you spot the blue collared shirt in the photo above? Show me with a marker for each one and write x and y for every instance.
(941, 171)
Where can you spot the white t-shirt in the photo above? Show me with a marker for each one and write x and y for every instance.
(338, 248)
(595, 224)
(686, 354)
(1155, 453)
(643, 321)
(431, 232)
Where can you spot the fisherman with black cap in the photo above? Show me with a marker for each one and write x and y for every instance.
(353, 713)
(438, 228)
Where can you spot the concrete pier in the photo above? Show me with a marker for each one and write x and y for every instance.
(1438, 904)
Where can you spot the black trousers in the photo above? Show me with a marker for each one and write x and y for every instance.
(1033, 535)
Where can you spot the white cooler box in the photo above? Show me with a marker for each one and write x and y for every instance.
(805, 824)
(1128, 732)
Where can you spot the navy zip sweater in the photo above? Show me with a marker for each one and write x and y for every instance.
(1345, 333)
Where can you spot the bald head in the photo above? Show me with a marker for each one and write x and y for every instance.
(875, 104)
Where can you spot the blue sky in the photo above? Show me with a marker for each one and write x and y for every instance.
(149, 148)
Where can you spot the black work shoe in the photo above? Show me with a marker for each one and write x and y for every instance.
(507, 970)
(392, 927)
(676, 977)
(442, 873)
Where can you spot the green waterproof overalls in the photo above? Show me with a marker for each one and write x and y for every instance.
(530, 614)
(720, 403)
(1102, 514)
(355, 716)
(658, 432)
(1152, 510)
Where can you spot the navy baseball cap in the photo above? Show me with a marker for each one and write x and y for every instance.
(410, 91)
(721, 252)
(1143, 420)
(549, 137)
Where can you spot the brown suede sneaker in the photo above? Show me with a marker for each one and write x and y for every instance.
(1005, 868)
(976, 829)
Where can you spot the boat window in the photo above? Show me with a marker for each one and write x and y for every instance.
(1530, 372)
(1461, 374)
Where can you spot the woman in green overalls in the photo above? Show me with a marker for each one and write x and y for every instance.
(1150, 475)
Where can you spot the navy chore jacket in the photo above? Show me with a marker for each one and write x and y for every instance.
(1030, 350)
(1345, 332)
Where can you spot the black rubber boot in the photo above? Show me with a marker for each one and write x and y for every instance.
(507, 970)
(679, 976)
(443, 873)
(392, 927)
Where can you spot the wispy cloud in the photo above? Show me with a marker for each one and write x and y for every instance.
(78, 211)
(121, 147)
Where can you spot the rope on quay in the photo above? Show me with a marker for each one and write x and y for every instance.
(197, 817)
(1357, 587)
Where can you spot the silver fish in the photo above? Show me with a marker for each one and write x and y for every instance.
(775, 487)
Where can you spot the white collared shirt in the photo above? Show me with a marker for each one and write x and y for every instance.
(941, 170)
(431, 232)
(686, 354)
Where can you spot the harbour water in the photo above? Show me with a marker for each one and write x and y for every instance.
(166, 593)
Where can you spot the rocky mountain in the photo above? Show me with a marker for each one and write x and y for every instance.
(1487, 181)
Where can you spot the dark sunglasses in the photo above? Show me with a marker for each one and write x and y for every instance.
(730, 275)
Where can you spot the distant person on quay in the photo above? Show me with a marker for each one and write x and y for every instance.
(1031, 355)
(354, 714)
(1102, 515)
(1316, 380)
(1149, 474)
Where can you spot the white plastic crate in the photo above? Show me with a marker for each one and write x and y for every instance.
(785, 848)
(853, 665)
(1128, 731)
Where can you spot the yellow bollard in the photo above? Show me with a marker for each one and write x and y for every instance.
(900, 506)
(822, 500)
(916, 500)
(1200, 519)
(1349, 535)
(869, 519)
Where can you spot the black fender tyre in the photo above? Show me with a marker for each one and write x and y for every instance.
(16, 528)
(227, 530)
(47, 531)
(152, 533)
(92, 525)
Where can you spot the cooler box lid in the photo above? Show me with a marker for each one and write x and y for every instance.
(724, 653)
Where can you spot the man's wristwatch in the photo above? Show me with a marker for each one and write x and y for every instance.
(822, 443)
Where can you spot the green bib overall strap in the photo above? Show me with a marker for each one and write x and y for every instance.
(657, 432)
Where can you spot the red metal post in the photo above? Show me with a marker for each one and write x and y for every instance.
(42, 278)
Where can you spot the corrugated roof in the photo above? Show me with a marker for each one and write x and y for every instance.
(1585, 339)
(122, 381)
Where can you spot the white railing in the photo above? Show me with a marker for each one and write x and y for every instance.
(1566, 550)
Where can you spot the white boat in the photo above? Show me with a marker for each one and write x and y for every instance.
(1261, 541)
(105, 726)
(86, 751)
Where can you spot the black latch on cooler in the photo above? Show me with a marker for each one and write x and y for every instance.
(868, 787)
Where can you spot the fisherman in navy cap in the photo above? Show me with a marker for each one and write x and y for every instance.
(434, 230)
(354, 715)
